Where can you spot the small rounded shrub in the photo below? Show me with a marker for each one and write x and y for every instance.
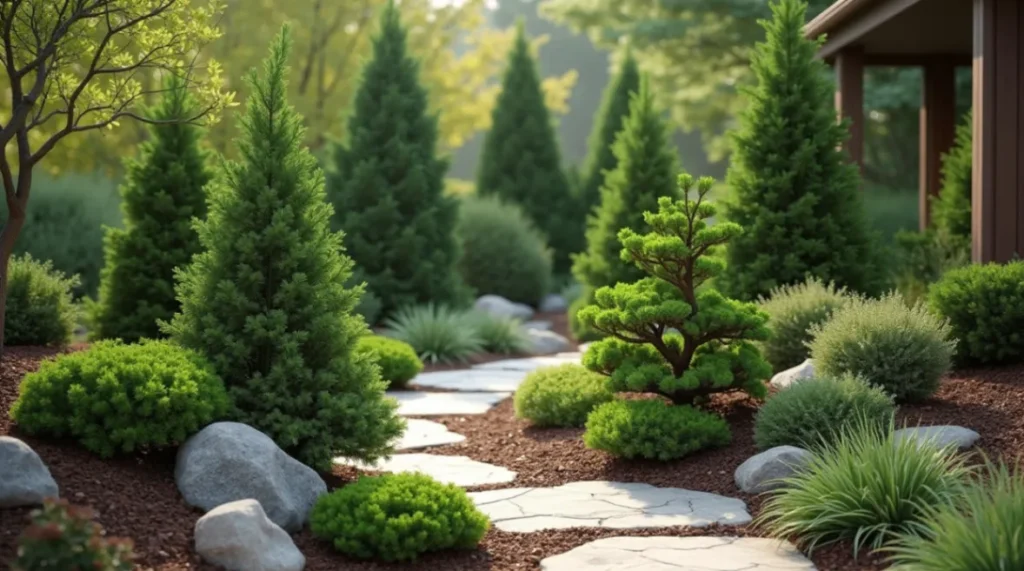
(499, 334)
(865, 487)
(985, 308)
(654, 430)
(115, 397)
(40, 309)
(794, 309)
(813, 411)
(903, 349)
(398, 361)
(438, 334)
(62, 536)
(561, 396)
(502, 252)
(397, 517)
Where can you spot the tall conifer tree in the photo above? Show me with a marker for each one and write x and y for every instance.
(266, 302)
(951, 210)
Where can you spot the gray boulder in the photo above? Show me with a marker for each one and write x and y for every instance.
(941, 436)
(804, 370)
(239, 536)
(553, 303)
(762, 472)
(24, 479)
(229, 461)
(539, 324)
(546, 342)
(497, 305)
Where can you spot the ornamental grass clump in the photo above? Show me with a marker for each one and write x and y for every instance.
(794, 310)
(438, 333)
(499, 334)
(561, 396)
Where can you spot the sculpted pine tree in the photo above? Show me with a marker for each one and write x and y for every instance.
(266, 302)
(714, 350)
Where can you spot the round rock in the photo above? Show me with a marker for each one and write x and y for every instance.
(804, 370)
(764, 471)
(497, 305)
(941, 436)
(239, 536)
(546, 342)
(553, 303)
(680, 554)
(24, 479)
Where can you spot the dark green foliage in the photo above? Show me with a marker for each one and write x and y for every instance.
(162, 195)
(40, 310)
(951, 210)
(122, 398)
(796, 194)
(812, 412)
(793, 310)
(62, 536)
(521, 163)
(398, 361)
(716, 350)
(502, 253)
(653, 429)
(388, 184)
(984, 305)
(397, 517)
(266, 300)
(437, 333)
(561, 396)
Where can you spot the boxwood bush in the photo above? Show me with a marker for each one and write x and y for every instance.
(398, 361)
(653, 429)
(40, 309)
(985, 308)
(397, 517)
(813, 411)
(120, 398)
(561, 396)
(794, 309)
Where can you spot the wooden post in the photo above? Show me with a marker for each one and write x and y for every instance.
(849, 68)
(937, 127)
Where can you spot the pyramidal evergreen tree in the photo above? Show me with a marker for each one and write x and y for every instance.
(645, 170)
(951, 210)
(162, 194)
(521, 162)
(388, 183)
(796, 194)
(265, 300)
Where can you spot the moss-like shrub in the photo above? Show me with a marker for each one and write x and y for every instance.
(398, 361)
(794, 309)
(499, 334)
(116, 397)
(985, 308)
(397, 517)
(437, 333)
(814, 411)
(654, 430)
(40, 309)
(903, 349)
(502, 252)
(561, 396)
(62, 537)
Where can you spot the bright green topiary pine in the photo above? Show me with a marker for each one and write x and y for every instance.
(715, 348)
(645, 171)
(951, 210)
(266, 302)
(521, 162)
(796, 194)
(388, 184)
(163, 193)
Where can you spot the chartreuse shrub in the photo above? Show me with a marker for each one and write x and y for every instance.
(40, 309)
(653, 429)
(502, 252)
(866, 487)
(561, 396)
(266, 299)
(812, 411)
(979, 531)
(62, 536)
(498, 333)
(984, 305)
(793, 310)
(438, 334)
(903, 349)
(398, 360)
(397, 517)
(163, 193)
(121, 398)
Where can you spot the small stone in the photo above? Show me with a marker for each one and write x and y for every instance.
(804, 370)
(24, 478)
(546, 342)
(240, 537)
(941, 436)
(764, 471)
(553, 303)
(497, 305)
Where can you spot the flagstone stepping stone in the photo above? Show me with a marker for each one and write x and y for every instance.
(421, 433)
(612, 505)
(528, 363)
(480, 380)
(681, 554)
(419, 403)
(941, 436)
(458, 470)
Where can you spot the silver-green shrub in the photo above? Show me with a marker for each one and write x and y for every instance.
(794, 309)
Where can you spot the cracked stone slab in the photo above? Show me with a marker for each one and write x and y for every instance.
(611, 505)
(458, 470)
(680, 554)
(421, 433)
(529, 363)
(470, 380)
(419, 403)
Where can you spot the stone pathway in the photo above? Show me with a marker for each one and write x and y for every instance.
(458, 470)
(530, 363)
(680, 554)
(482, 380)
(419, 403)
(421, 433)
(612, 505)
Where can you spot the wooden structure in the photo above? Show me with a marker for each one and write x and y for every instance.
(938, 36)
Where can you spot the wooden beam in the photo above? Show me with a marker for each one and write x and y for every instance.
(937, 128)
(857, 26)
(849, 69)
(916, 60)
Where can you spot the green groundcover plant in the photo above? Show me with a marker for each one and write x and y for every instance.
(397, 360)
(561, 396)
(40, 308)
(653, 429)
(794, 310)
(65, 537)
